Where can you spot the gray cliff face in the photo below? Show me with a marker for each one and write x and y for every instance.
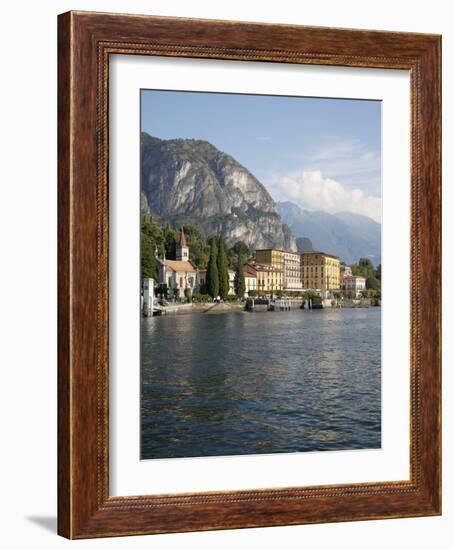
(190, 181)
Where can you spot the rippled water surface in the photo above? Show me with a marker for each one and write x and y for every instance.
(248, 383)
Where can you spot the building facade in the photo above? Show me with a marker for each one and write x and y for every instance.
(353, 285)
(181, 274)
(285, 261)
(320, 271)
(269, 279)
(271, 256)
(250, 283)
(292, 273)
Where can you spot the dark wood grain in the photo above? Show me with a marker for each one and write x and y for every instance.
(64, 367)
(85, 42)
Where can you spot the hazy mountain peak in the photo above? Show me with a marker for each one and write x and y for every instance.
(350, 236)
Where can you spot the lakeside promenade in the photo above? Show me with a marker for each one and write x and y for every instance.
(279, 305)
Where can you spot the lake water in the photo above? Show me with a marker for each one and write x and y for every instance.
(251, 383)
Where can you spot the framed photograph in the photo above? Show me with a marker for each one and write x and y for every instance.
(249, 275)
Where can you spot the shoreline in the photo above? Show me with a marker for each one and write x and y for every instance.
(226, 307)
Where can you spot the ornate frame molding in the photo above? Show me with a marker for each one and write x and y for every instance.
(86, 40)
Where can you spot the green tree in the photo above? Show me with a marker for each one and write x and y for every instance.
(366, 269)
(170, 238)
(148, 259)
(222, 268)
(378, 272)
(151, 241)
(239, 279)
(373, 283)
(236, 251)
(212, 274)
(313, 296)
(366, 264)
(199, 249)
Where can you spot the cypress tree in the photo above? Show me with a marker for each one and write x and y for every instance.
(239, 279)
(212, 273)
(222, 268)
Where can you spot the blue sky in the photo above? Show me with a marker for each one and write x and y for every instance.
(322, 154)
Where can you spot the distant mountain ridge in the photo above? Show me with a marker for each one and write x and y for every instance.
(349, 236)
(191, 181)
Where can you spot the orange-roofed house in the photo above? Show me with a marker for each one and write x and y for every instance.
(179, 274)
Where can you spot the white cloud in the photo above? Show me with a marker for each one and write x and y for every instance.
(264, 138)
(310, 189)
(348, 161)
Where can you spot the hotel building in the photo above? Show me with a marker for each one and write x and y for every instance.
(320, 271)
(288, 262)
(268, 278)
(292, 273)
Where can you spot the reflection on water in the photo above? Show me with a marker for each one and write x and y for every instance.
(248, 383)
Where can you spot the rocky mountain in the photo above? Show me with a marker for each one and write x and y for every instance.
(304, 245)
(349, 236)
(191, 181)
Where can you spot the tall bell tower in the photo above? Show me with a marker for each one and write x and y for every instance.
(182, 250)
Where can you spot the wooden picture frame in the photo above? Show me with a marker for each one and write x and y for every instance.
(85, 41)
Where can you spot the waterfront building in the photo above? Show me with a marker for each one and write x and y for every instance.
(250, 282)
(353, 285)
(179, 274)
(288, 262)
(271, 256)
(268, 278)
(292, 273)
(320, 271)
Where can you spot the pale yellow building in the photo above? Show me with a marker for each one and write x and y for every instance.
(320, 271)
(271, 256)
(288, 262)
(268, 278)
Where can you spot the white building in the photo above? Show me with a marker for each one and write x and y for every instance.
(179, 274)
(148, 297)
(292, 272)
(353, 285)
(231, 278)
(250, 282)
